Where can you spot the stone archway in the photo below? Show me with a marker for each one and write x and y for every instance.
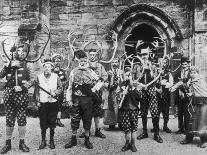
(142, 14)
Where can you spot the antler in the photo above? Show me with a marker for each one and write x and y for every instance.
(41, 54)
(68, 61)
(71, 47)
(139, 42)
(127, 57)
(142, 62)
(115, 41)
(4, 51)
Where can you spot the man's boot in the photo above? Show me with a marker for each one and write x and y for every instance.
(23, 146)
(133, 147)
(87, 143)
(203, 142)
(52, 144)
(52, 132)
(157, 137)
(43, 143)
(99, 134)
(7, 147)
(59, 123)
(165, 127)
(71, 143)
(188, 139)
(126, 147)
(144, 134)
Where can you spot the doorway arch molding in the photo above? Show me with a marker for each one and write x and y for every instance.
(144, 13)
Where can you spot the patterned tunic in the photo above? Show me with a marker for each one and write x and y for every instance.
(15, 102)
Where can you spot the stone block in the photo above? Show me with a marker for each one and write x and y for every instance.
(15, 4)
(16, 11)
(69, 2)
(90, 2)
(63, 16)
(105, 2)
(87, 19)
(6, 11)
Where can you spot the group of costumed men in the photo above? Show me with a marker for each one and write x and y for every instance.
(127, 98)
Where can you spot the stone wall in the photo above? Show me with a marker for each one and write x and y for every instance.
(15, 13)
(201, 39)
(93, 19)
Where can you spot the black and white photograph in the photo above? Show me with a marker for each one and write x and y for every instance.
(103, 77)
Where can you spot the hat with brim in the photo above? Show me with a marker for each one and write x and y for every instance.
(56, 56)
(185, 59)
(48, 61)
(80, 54)
(145, 51)
(92, 50)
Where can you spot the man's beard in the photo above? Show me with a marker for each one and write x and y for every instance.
(47, 73)
(83, 66)
(115, 66)
(93, 59)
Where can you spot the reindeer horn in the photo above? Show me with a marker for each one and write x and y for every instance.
(127, 57)
(42, 53)
(71, 47)
(4, 51)
(115, 41)
(142, 62)
(68, 61)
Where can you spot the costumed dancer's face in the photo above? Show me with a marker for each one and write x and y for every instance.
(164, 63)
(19, 53)
(194, 74)
(115, 64)
(145, 56)
(83, 63)
(47, 69)
(185, 65)
(57, 62)
(93, 56)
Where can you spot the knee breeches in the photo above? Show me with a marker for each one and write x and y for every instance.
(165, 104)
(48, 115)
(15, 107)
(82, 110)
(149, 100)
(129, 120)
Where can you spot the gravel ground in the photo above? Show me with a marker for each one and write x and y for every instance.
(111, 145)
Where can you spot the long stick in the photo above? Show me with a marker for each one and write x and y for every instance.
(123, 97)
(16, 77)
